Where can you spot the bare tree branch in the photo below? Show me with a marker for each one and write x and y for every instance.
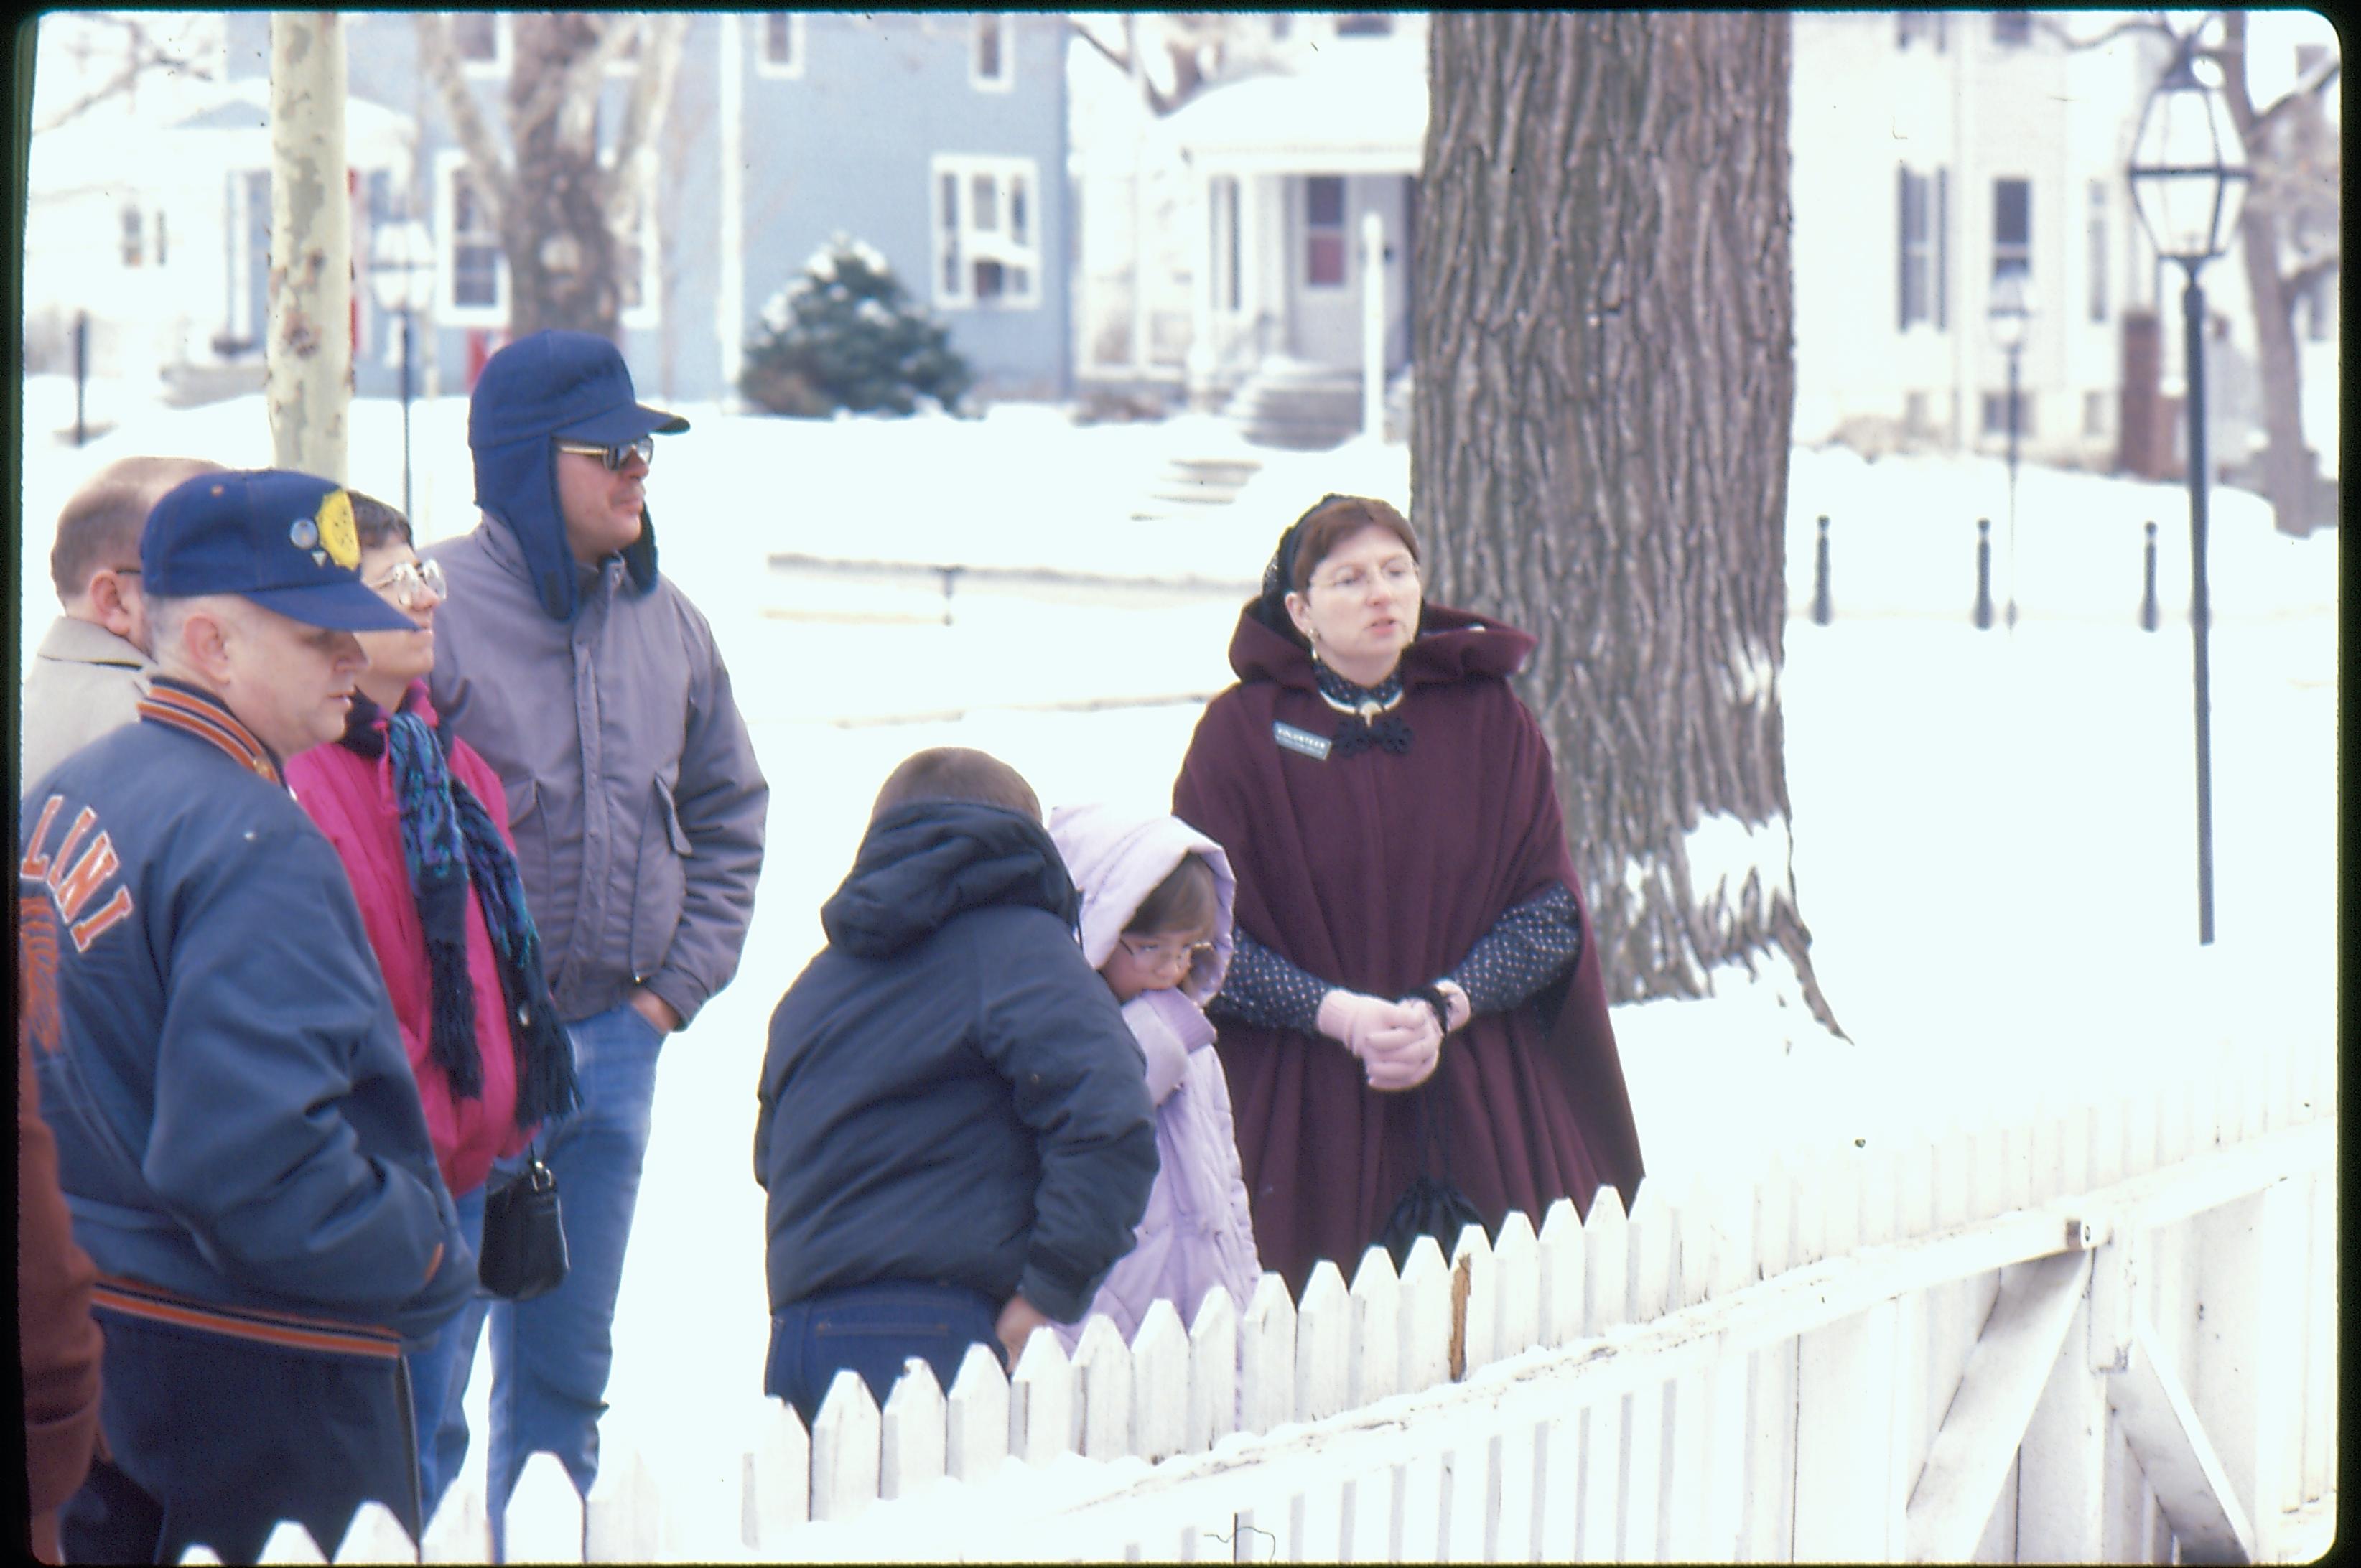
(440, 58)
(648, 107)
(2302, 279)
(146, 55)
(1159, 103)
(2151, 25)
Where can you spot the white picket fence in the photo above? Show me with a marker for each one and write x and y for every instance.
(2104, 1334)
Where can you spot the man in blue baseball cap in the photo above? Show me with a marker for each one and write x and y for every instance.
(239, 1137)
(594, 688)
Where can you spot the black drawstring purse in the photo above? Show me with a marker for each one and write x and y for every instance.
(1433, 1206)
(523, 1254)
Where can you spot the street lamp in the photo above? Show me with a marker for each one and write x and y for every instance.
(2188, 177)
(2009, 314)
(401, 272)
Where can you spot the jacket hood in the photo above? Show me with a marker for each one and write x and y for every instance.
(1451, 645)
(922, 865)
(542, 386)
(1117, 856)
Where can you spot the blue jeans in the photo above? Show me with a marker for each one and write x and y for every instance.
(872, 1330)
(438, 1376)
(550, 1354)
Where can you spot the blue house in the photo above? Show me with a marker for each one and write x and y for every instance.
(938, 139)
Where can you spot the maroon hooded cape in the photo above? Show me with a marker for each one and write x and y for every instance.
(1378, 873)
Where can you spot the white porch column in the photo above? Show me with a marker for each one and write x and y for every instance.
(1373, 326)
(729, 297)
(1201, 296)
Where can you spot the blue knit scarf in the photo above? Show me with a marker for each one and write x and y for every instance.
(450, 845)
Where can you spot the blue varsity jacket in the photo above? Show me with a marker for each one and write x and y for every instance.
(239, 1137)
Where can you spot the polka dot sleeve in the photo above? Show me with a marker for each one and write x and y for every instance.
(1267, 991)
(1526, 948)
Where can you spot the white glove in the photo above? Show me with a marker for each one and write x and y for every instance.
(1397, 1041)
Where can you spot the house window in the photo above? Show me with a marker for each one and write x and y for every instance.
(1914, 412)
(2095, 413)
(2098, 244)
(481, 38)
(1916, 248)
(1996, 413)
(987, 233)
(1928, 28)
(991, 67)
(781, 53)
(2012, 30)
(135, 235)
(159, 236)
(2012, 228)
(475, 274)
(1365, 25)
(1323, 231)
(1282, 23)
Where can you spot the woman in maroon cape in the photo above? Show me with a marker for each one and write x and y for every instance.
(1409, 927)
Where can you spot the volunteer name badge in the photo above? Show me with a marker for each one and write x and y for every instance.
(1301, 741)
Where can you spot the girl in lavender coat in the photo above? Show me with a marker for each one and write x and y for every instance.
(1156, 923)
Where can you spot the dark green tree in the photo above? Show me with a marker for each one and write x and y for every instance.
(845, 334)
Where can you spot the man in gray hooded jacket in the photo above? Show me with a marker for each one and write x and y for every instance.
(595, 689)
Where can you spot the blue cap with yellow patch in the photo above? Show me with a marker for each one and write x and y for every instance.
(282, 539)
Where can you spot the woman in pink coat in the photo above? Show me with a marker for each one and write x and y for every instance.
(420, 823)
(1156, 923)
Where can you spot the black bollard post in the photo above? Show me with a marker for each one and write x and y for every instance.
(2147, 604)
(1984, 574)
(1822, 611)
(82, 370)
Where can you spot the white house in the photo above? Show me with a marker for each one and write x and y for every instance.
(1932, 152)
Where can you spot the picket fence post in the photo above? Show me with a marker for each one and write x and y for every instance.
(1160, 1385)
(544, 1514)
(1323, 1345)
(1475, 1302)
(1424, 1317)
(1040, 1402)
(289, 1542)
(774, 1483)
(844, 1449)
(1267, 1358)
(1517, 1284)
(1102, 1390)
(1213, 1371)
(375, 1536)
(1607, 1267)
(975, 1416)
(1561, 1245)
(461, 1530)
(913, 1431)
(1374, 1368)
(624, 1516)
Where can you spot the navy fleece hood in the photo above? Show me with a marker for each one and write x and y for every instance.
(540, 388)
(922, 863)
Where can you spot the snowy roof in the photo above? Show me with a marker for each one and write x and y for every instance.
(1355, 109)
(200, 125)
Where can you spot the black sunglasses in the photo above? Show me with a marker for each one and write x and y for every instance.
(644, 449)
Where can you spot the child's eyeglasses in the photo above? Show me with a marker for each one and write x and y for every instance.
(412, 581)
(644, 449)
(1161, 954)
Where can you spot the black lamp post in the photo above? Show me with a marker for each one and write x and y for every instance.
(2188, 177)
(2009, 314)
(402, 272)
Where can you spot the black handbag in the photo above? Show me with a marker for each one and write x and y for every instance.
(523, 1254)
(1433, 1206)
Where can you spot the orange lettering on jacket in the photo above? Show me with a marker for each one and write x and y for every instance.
(35, 865)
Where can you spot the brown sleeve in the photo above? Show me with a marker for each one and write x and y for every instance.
(57, 1342)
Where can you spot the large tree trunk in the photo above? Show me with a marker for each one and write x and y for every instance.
(1599, 447)
(309, 350)
(2290, 472)
(565, 216)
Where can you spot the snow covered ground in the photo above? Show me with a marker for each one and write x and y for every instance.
(1993, 832)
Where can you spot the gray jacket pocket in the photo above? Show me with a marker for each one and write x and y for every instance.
(662, 885)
